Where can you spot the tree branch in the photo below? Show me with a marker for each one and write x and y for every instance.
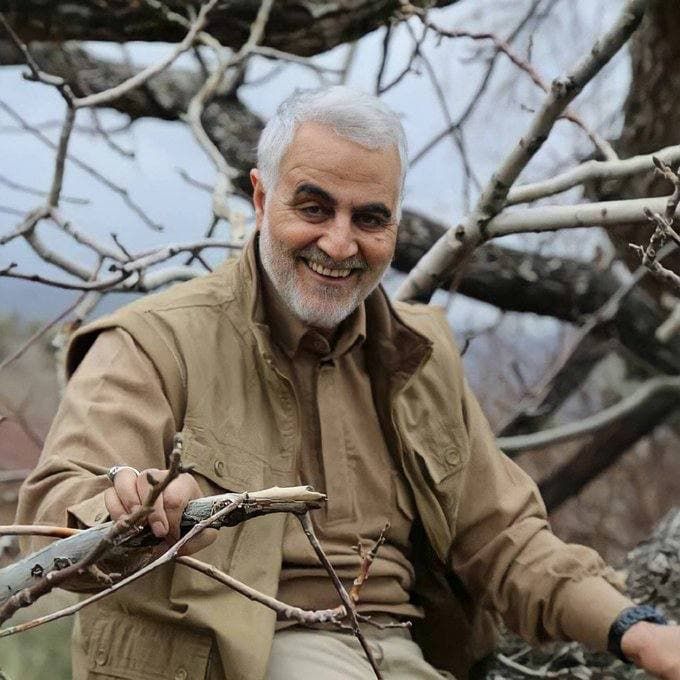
(455, 247)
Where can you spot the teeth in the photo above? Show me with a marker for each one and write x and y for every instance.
(334, 273)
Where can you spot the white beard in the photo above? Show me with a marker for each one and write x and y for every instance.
(315, 305)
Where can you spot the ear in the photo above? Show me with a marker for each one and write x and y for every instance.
(259, 196)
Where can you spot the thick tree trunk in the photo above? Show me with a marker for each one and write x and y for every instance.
(304, 27)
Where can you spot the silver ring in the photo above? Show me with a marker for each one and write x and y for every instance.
(113, 471)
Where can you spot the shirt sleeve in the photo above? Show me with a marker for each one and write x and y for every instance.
(505, 553)
(114, 412)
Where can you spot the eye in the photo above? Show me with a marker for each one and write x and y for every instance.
(370, 220)
(313, 212)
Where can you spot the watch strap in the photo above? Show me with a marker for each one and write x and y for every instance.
(626, 619)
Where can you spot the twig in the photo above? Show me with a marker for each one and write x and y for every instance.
(37, 530)
(503, 47)
(225, 174)
(17, 186)
(283, 610)
(86, 167)
(126, 526)
(663, 228)
(39, 334)
(367, 557)
(308, 528)
(146, 74)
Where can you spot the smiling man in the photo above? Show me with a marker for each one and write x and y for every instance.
(324, 274)
(290, 365)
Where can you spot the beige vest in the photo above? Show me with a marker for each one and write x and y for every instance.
(236, 411)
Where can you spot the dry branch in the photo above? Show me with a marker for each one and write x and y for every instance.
(284, 611)
(455, 247)
(18, 576)
(628, 406)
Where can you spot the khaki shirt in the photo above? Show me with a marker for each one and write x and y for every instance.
(342, 453)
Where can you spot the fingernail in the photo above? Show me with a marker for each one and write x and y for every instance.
(158, 529)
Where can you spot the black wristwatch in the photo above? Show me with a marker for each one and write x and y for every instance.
(625, 620)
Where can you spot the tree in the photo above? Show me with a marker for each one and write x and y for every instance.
(607, 312)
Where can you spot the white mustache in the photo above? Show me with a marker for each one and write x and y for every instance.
(317, 256)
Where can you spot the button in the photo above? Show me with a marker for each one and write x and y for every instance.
(219, 468)
(181, 674)
(100, 656)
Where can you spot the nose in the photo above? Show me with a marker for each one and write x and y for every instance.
(339, 240)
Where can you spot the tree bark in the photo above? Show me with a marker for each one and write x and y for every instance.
(651, 121)
(304, 27)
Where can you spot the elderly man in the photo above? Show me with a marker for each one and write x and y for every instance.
(290, 365)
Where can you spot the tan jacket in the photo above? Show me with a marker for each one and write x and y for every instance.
(484, 539)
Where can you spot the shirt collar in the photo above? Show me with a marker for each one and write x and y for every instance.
(293, 336)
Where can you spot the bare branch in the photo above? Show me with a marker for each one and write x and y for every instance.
(283, 610)
(37, 530)
(140, 78)
(455, 247)
(37, 335)
(589, 171)
(17, 186)
(117, 189)
(626, 407)
(503, 47)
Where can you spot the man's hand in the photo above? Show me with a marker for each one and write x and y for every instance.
(654, 648)
(129, 492)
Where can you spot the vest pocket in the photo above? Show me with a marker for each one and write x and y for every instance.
(228, 467)
(135, 648)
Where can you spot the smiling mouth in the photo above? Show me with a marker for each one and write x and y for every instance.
(329, 273)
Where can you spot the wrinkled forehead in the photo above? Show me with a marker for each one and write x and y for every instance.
(321, 156)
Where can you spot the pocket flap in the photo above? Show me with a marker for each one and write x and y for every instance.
(230, 469)
(135, 648)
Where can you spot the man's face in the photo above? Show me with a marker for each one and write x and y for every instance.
(328, 228)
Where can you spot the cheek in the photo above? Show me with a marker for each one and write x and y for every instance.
(379, 249)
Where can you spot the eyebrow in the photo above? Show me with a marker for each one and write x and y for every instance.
(315, 190)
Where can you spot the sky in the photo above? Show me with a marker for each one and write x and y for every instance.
(434, 185)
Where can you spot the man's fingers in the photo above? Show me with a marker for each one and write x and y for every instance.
(113, 505)
(157, 519)
(175, 498)
(125, 486)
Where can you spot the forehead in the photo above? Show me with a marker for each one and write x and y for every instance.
(319, 155)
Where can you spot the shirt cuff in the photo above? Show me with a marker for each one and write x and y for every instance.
(592, 606)
(88, 513)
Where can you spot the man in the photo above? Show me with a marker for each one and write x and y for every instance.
(287, 366)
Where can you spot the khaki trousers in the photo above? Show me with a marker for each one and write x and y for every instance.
(311, 654)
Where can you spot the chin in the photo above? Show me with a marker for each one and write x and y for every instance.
(324, 316)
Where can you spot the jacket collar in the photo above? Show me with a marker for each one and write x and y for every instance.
(391, 344)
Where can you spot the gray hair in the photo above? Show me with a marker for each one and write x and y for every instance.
(354, 115)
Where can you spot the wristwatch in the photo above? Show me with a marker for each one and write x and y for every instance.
(625, 620)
